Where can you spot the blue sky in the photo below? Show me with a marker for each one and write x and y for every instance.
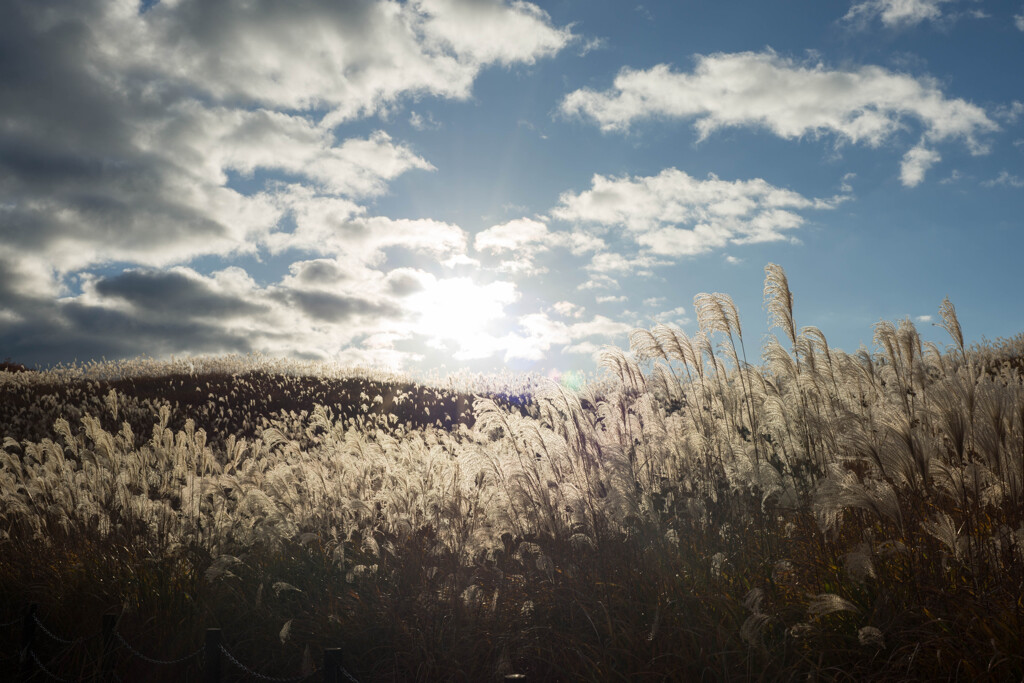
(481, 184)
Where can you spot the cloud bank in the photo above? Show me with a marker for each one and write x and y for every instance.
(134, 142)
(674, 214)
(869, 105)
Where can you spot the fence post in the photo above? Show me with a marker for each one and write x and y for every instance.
(332, 665)
(107, 647)
(211, 661)
(28, 636)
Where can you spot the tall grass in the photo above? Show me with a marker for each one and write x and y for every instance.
(688, 516)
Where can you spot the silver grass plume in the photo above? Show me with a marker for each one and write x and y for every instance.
(870, 636)
(778, 299)
(829, 603)
(645, 346)
(754, 624)
(716, 312)
(951, 324)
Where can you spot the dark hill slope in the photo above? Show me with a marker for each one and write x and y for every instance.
(229, 404)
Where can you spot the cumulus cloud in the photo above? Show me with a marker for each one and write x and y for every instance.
(867, 105)
(522, 239)
(353, 58)
(337, 226)
(525, 238)
(916, 163)
(122, 128)
(674, 214)
(181, 291)
(483, 32)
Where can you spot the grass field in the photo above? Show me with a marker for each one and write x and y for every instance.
(689, 515)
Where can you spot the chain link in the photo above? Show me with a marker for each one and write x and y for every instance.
(257, 674)
(42, 667)
(52, 635)
(159, 662)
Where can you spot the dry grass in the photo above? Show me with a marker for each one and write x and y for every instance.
(688, 517)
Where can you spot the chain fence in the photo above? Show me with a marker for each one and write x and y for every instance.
(31, 664)
(152, 660)
(55, 638)
(258, 675)
(45, 668)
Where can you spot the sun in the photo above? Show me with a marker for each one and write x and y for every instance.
(461, 312)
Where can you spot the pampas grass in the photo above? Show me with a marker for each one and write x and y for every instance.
(687, 515)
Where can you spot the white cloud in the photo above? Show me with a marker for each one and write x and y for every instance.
(1018, 20)
(676, 316)
(867, 105)
(537, 334)
(216, 140)
(420, 122)
(674, 214)
(923, 318)
(514, 236)
(612, 299)
(526, 235)
(654, 301)
(916, 163)
(1010, 113)
(353, 58)
(598, 281)
(491, 32)
(335, 226)
(1005, 179)
(953, 177)
(568, 309)
(526, 238)
(585, 348)
(130, 137)
(896, 13)
(613, 262)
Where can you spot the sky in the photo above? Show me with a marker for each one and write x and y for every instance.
(480, 184)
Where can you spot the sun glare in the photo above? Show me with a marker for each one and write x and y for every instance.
(463, 312)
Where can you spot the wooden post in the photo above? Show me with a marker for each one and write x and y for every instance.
(211, 656)
(28, 636)
(332, 665)
(107, 648)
